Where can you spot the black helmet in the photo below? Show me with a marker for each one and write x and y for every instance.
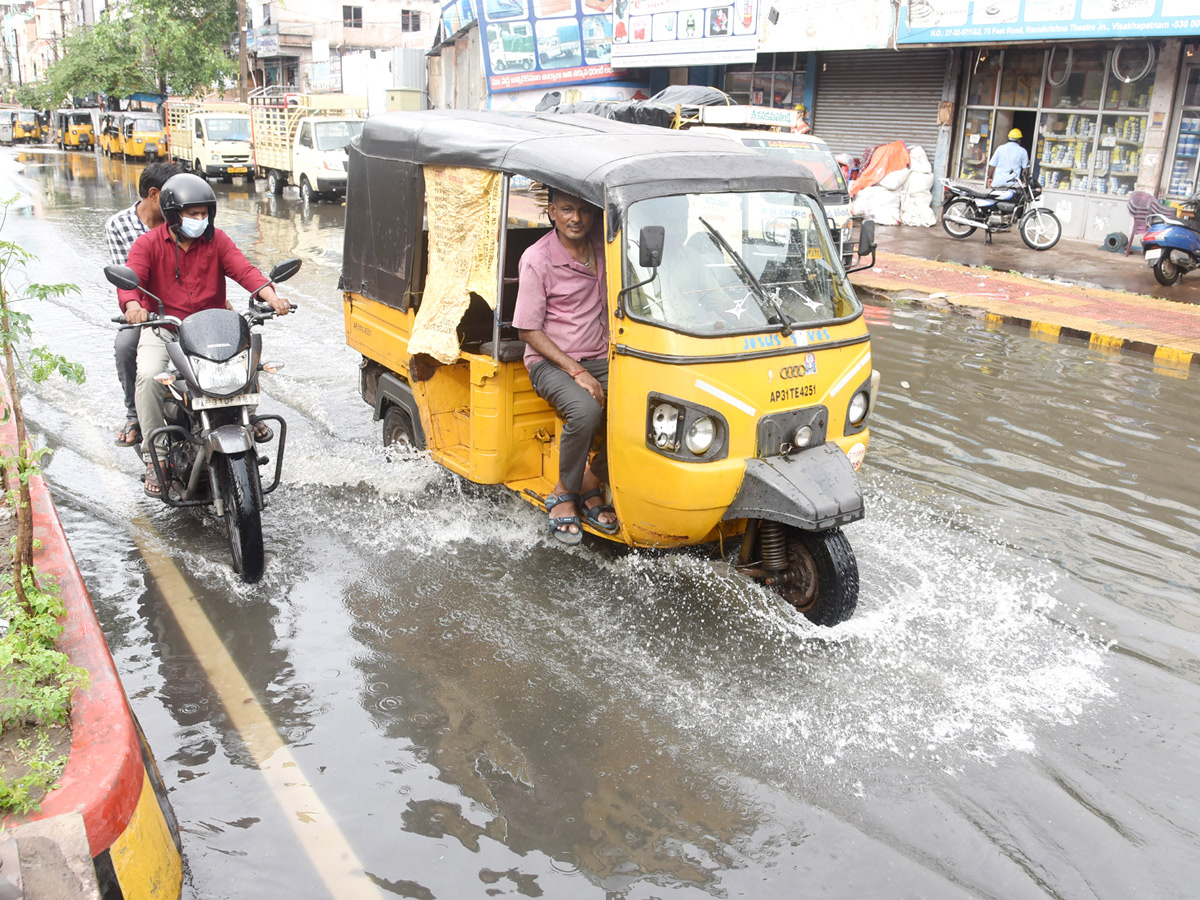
(185, 190)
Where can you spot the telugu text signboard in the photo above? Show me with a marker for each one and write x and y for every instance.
(684, 32)
(978, 21)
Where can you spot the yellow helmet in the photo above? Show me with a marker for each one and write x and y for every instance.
(1015, 134)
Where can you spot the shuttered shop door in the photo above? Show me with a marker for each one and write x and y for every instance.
(870, 97)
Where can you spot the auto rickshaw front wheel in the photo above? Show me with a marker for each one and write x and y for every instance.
(820, 575)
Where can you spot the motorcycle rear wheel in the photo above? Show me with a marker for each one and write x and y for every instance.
(243, 520)
(1166, 272)
(957, 229)
(1040, 229)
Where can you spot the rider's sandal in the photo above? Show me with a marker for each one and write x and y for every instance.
(560, 525)
(130, 435)
(262, 432)
(593, 513)
(152, 486)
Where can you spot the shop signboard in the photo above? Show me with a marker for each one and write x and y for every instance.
(818, 25)
(684, 32)
(457, 15)
(545, 43)
(980, 21)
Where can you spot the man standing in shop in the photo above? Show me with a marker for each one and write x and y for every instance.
(1008, 162)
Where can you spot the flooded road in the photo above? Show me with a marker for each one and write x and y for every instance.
(452, 707)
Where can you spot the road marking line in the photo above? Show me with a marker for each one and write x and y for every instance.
(326, 847)
(323, 842)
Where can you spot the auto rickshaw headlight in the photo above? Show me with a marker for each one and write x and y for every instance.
(664, 419)
(802, 437)
(858, 408)
(700, 435)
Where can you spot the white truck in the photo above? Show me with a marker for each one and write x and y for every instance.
(211, 139)
(301, 139)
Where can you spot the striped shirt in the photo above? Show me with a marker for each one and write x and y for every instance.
(121, 231)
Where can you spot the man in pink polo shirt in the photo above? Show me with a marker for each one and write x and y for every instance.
(562, 316)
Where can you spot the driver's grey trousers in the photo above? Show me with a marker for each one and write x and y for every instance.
(152, 360)
(582, 416)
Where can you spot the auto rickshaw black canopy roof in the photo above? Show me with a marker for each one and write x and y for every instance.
(609, 164)
(604, 162)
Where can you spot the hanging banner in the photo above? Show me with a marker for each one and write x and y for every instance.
(684, 32)
(545, 43)
(974, 21)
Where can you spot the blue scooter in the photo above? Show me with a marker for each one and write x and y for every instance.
(1172, 246)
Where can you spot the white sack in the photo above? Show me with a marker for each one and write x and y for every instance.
(918, 160)
(917, 210)
(894, 181)
(919, 182)
(878, 203)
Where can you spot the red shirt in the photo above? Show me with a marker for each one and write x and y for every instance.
(202, 270)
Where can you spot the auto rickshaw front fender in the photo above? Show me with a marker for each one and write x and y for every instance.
(814, 490)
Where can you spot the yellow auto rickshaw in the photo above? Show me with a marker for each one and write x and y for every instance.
(109, 139)
(740, 377)
(141, 136)
(27, 127)
(74, 127)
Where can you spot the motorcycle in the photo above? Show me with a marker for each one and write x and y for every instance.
(210, 456)
(999, 209)
(1172, 246)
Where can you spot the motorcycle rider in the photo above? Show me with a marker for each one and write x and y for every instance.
(1010, 160)
(184, 262)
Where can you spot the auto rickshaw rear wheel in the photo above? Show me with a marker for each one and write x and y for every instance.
(821, 577)
(398, 429)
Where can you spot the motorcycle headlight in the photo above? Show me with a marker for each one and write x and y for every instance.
(858, 408)
(700, 435)
(222, 378)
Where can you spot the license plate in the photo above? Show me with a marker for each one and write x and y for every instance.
(237, 170)
(224, 402)
(1154, 255)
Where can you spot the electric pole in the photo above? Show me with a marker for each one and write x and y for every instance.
(243, 62)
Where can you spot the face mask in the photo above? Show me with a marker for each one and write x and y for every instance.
(193, 228)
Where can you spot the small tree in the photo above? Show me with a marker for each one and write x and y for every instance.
(20, 462)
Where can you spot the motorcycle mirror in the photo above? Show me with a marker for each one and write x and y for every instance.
(285, 270)
(122, 276)
(866, 238)
(650, 246)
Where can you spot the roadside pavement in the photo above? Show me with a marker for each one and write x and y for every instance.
(1073, 291)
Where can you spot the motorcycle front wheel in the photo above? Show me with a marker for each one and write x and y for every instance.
(960, 208)
(238, 474)
(1040, 229)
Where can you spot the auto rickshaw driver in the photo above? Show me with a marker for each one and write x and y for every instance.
(562, 316)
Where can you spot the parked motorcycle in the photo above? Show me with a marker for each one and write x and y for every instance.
(1172, 245)
(999, 209)
(210, 455)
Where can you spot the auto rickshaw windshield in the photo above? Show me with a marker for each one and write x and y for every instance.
(736, 262)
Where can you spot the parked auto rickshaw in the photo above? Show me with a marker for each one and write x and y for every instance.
(740, 378)
(109, 139)
(74, 127)
(27, 127)
(141, 136)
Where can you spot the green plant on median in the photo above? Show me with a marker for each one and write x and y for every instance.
(37, 680)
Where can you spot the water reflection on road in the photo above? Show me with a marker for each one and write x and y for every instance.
(1012, 713)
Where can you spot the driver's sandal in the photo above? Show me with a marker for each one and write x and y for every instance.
(560, 525)
(152, 486)
(593, 513)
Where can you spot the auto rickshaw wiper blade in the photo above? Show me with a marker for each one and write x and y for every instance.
(785, 323)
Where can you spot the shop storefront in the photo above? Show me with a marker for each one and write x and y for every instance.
(1084, 113)
(1182, 178)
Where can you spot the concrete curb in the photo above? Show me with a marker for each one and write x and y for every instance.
(1106, 320)
(130, 827)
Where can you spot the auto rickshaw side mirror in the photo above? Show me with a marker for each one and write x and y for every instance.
(651, 240)
(866, 246)
(122, 276)
(866, 238)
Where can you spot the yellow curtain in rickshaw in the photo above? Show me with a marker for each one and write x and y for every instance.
(463, 210)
